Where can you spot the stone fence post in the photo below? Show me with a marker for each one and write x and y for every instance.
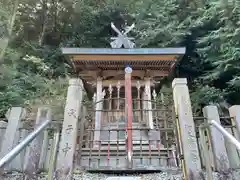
(187, 134)
(220, 157)
(34, 152)
(3, 126)
(234, 154)
(11, 136)
(67, 147)
(234, 112)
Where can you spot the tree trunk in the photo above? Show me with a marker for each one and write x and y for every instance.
(9, 30)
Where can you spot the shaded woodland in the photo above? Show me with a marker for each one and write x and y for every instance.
(34, 72)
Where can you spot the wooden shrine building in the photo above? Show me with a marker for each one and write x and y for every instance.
(122, 133)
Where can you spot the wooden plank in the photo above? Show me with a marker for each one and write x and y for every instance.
(109, 65)
(123, 57)
(123, 148)
(122, 153)
(106, 83)
(106, 73)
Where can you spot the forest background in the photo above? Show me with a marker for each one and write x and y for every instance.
(33, 72)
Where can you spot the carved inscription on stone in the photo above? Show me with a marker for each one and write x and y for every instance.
(66, 149)
(69, 129)
(72, 113)
(191, 141)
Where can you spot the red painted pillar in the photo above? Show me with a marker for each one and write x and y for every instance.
(129, 114)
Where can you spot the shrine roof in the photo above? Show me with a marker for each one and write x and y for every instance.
(124, 51)
(109, 63)
(117, 58)
(89, 63)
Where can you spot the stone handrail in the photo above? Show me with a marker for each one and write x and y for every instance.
(15, 151)
(203, 143)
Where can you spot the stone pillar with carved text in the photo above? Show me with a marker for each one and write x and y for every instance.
(67, 147)
(187, 132)
(148, 102)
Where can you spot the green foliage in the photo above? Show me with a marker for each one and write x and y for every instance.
(33, 68)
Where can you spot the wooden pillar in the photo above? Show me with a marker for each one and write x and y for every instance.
(144, 112)
(220, 157)
(67, 147)
(16, 114)
(33, 156)
(183, 109)
(129, 113)
(148, 102)
(138, 103)
(81, 133)
(98, 113)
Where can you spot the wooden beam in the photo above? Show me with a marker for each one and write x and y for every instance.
(108, 73)
(93, 74)
(117, 57)
(106, 83)
(120, 67)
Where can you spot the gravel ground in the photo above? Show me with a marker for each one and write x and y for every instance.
(152, 176)
(94, 176)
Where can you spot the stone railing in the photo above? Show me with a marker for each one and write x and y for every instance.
(219, 147)
(15, 128)
(223, 155)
